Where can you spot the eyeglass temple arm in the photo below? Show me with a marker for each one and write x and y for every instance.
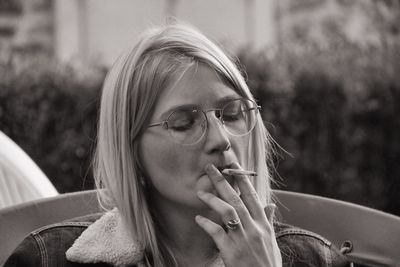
(256, 107)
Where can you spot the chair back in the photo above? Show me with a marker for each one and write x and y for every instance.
(373, 235)
(16, 222)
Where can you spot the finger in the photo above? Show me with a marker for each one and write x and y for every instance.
(249, 194)
(227, 193)
(223, 209)
(215, 231)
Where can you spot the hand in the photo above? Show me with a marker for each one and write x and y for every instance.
(253, 242)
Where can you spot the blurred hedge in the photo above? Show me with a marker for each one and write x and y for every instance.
(334, 110)
(50, 111)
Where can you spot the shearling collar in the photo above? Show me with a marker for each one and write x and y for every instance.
(106, 240)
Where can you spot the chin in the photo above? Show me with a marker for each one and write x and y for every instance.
(204, 184)
(200, 205)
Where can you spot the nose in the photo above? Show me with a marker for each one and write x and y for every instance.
(217, 137)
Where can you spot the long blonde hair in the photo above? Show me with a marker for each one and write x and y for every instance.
(130, 91)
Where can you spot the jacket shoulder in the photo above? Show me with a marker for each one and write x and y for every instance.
(301, 247)
(47, 245)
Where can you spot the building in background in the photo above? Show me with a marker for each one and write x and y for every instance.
(26, 28)
(96, 31)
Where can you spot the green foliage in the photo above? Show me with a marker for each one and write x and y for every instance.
(50, 111)
(335, 111)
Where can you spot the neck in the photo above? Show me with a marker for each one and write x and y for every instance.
(184, 236)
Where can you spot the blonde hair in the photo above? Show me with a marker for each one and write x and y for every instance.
(130, 91)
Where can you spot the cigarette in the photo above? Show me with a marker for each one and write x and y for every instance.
(238, 172)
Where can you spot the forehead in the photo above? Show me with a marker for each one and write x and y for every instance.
(200, 85)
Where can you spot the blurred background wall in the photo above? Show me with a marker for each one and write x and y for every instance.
(101, 29)
(96, 31)
(324, 71)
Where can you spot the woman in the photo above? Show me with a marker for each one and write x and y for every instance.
(175, 115)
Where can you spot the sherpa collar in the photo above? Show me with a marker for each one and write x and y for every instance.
(106, 240)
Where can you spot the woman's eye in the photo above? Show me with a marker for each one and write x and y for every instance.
(184, 120)
(232, 116)
(182, 124)
(181, 128)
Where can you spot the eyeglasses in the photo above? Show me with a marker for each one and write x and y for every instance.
(188, 125)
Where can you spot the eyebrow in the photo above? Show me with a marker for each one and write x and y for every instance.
(220, 102)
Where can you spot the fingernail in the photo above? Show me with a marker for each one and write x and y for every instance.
(210, 167)
(236, 164)
(200, 193)
(199, 218)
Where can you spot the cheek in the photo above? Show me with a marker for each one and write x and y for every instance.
(164, 162)
(240, 147)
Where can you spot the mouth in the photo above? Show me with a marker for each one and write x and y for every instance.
(220, 169)
(229, 178)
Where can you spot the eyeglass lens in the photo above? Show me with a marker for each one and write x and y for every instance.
(188, 125)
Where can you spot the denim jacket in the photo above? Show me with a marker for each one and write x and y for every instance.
(101, 240)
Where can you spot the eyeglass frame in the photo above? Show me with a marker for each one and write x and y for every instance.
(257, 108)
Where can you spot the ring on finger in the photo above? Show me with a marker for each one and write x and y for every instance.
(233, 224)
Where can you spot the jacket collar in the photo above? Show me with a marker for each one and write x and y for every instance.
(106, 240)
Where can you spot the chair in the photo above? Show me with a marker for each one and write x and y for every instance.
(374, 235)
(18, 221)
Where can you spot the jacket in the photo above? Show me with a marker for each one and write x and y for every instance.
(101, 240)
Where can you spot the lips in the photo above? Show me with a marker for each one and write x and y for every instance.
(229, 178)
(221, 168)
(221, 165)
